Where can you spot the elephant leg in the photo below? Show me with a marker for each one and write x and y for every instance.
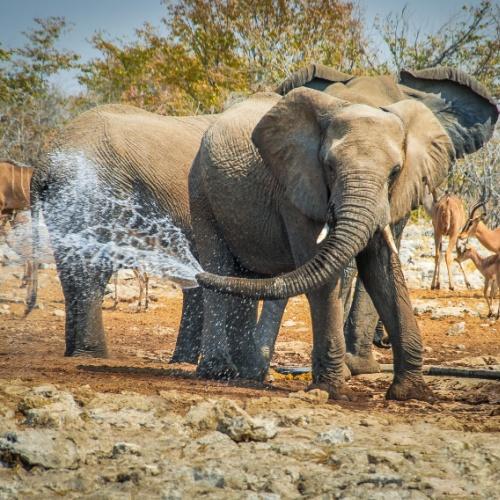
(187, 347)
(363, 325)
(215, 358)
(268, 328)
(380, 270)
(327, 313)
(240, 327)
(84, 285)
(358, 330)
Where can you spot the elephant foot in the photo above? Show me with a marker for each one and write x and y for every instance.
(87, 353)
(410, 388)
(336, 391)
(217, 368)
(253, 373)
(190, 357)
(359, 365)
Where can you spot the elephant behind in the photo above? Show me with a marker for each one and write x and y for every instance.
(115, 174)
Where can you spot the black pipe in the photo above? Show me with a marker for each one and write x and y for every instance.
(440, 371)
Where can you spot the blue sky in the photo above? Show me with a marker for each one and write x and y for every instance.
(119, 18)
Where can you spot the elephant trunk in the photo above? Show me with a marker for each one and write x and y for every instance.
(355, 225)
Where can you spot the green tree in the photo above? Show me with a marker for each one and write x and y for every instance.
(30, 108)
(206, 50)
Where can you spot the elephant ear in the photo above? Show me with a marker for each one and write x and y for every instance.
(428, 153)
(288, 137)
(463, 106)
(314, 76)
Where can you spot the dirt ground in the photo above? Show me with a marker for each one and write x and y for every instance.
(141, 343)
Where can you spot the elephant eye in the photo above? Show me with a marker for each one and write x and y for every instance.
(394, 172)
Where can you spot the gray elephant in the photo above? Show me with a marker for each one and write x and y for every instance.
(115, 175)
(271, 171)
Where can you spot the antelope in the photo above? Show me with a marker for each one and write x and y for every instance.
(448, 216)
(489, 238)
(141, 240)
(143, 280)
(15, 181)
(489, 267)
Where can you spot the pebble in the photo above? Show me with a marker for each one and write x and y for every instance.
(456, 329)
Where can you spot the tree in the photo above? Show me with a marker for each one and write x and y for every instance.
(470, 40)
(207, 50)
(30, 108)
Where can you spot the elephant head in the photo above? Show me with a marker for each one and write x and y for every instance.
(360, 166)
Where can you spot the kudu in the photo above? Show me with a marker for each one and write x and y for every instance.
(489, 238)
(448, 216)
(489, 267)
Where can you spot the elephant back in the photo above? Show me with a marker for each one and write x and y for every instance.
(135, 151)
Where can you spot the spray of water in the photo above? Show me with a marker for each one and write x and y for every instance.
(109, 220)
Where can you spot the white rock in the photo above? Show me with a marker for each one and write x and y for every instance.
(122, 448)
(46, 406)
(39, 447)
(456, 329)
(336, 435)
(227, 417)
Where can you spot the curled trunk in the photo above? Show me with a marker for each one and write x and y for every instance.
(354, 227)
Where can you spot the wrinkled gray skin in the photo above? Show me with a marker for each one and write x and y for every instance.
(272, 170)
(135, 153)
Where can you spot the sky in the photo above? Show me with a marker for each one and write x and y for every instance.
(119, 18)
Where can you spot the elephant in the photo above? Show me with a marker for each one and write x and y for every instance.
(135, 154)
(136, 157)
(273, 172)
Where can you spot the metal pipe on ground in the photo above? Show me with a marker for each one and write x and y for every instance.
(440, 371)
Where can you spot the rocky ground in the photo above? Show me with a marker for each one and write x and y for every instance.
(132, 425)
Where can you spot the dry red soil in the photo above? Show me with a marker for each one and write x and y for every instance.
(140, 345)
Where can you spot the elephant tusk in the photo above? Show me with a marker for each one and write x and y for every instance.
(389, 239)
(323, 234)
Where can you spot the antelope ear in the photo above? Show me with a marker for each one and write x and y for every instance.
(428, 152)
(288, 137)
(464, 107)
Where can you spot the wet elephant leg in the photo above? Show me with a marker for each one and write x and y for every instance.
(327, 311)
(380, 271)
(187, 347)
(84, 286)
(363, 321)
(215, 358)
(240, 328)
